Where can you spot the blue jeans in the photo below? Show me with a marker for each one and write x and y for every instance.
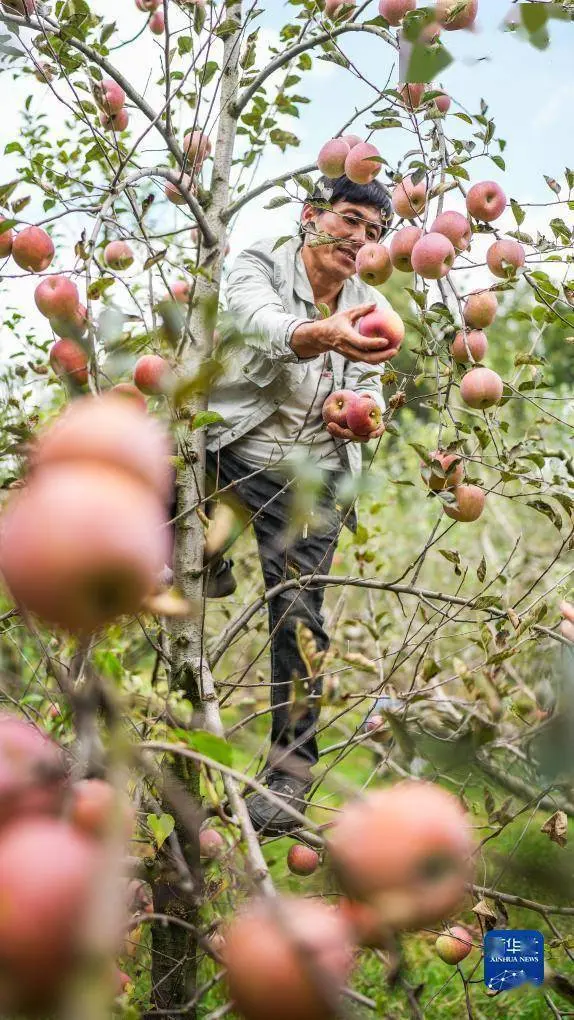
(265, 497)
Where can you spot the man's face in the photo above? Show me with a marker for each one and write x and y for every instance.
(354, 224)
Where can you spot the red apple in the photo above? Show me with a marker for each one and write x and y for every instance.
(480, 309)
(455, 14)
(197, 147)
(400, 878)
(152, 374)
(118, 255)
(456, 227)
(401, 248)
(454, 945)
(70, 361)
(335, 7)
(412, 94)
(32, 770)
(383, 323)
(176, 194)
(302, 860)
(452, 471)
(180, 292)
(332, 156)
(71, 326)
(481, 388)
(96, 556)
(409, 199)
(115, 122)
(364, 415)
(505, 257)
(6, 239)
(475, 341)
(268, 946)
(157, 23)
(486, 201)
(433, 256)
(211, 844)
(352, 140)
(470, 501)
(96, 809)
(57, 296)
(443, 103)
(32, 249)
(126, 389)
(373, 264)
(108, 430)
(395, 10)
(362, 164)
(109, 96)
(148, 5)
(336, 406)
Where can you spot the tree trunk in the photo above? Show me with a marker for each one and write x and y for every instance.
(174, 948)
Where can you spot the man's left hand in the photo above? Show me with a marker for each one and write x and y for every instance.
(340, 433)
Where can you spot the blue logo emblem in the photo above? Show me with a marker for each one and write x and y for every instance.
(513, 958)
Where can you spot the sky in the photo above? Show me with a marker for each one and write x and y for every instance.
(529, 94)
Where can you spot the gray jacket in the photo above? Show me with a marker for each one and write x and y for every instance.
(263, 301)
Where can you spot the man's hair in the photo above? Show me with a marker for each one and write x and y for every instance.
(328, 191)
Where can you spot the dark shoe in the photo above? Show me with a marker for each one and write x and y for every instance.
(221, 581)
(267, 817)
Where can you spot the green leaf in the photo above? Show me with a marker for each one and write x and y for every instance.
(426, 63)
(184, 45)
(107, 31)
(161, 826)
(534, 16)
(278, 201)
(518, 211)
(204, 418)
(282, 240)
(208, 744)
(481, 570)
(499, 162)
(545, 508)
(208, 72)
(324, 311)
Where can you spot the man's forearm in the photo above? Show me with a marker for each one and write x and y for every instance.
(306, 340)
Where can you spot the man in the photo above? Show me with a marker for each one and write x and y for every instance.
(271, 398)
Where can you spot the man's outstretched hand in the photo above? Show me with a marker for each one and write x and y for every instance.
(338, 333)
(340, 433)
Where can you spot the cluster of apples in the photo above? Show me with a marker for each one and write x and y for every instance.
(111, 99)
(298, 953)
(156, 23)
(445, 472)
(83, 541)
(51, 859)
(450, 15)
(358, 412)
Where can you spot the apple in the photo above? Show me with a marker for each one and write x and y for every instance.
(383, 323)
(362, 164)
(475, 341)
(456, 227)
(399, 877)
(32, 249)
(57, 296)
(486, 201)
(74, 326)
(481, 388)
(197, 147)
(332, 156)
(6, 239)
(352, 140)
(47, 876)
(364, 415)
(109, 96)
(401, 248)
(302, 860)
(267, 949)
(470, 500)
(115, 122)
(505, 257)
(454, 945)
(96, 809)
(335, 7)
(455, 14)
(108, 430)
(126, 389)
(96, 556)
(118, 255)
(152, 374)
(336, 406)
(480, 309)
(409, 199)
(433, 256)
(211, 844)
(176, 194)
(69, 361)
(373, 264)
(443, 103)
(180, 292)
(157, 23)
(395, 10)
(452, 471)
(32, 770)
(148, 5)
(412, 94)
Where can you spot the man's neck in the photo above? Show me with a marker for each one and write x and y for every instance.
(325, 290)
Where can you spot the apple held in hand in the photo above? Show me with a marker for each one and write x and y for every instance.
(336, 407)
(373, 264)
(383, 323)
(364, 415)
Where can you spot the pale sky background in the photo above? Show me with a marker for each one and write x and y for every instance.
(529, 93)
